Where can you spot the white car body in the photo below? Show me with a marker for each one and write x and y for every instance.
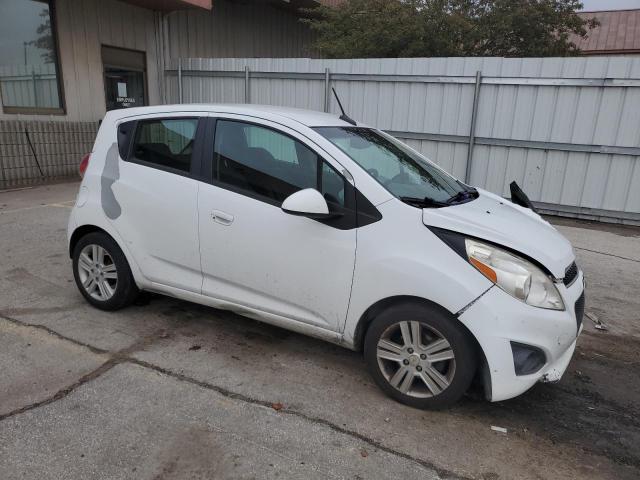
(190, 239)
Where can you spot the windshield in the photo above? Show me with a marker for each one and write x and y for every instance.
(406, 174)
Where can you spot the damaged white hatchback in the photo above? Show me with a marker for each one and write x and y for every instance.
(324, 226)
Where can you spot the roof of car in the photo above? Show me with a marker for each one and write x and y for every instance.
(310, 118)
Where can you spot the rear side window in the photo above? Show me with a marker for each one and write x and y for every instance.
(166, 143)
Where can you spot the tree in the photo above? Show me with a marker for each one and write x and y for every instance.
(45, 40)
(428, 28)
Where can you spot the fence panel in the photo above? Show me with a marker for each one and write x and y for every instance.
(32, 152)
(29, 86)
(566, 129)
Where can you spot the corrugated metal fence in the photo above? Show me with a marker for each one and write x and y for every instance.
(29, 86)
(566, 129)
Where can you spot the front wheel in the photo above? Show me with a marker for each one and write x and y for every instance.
(420, 355)
(102, 273)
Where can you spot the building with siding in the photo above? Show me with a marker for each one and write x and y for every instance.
(57, 57)
(64, 63)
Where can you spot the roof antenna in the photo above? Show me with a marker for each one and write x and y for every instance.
(344, 116)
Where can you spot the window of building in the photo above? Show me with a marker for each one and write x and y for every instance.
(270, 165)
(166, 143)
(29, 74)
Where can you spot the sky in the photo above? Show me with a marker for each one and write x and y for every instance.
(593, 5)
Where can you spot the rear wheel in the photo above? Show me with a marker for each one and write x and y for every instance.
(102, 273)
(420, 356)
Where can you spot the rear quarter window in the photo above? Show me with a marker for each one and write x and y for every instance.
(164, 142)
(125, 134)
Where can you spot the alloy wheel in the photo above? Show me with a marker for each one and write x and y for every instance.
(97, 272)
(416, 359)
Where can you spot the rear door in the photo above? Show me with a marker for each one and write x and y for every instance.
(256, 255)
(157, 190)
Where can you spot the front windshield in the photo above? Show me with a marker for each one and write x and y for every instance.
(401, 171)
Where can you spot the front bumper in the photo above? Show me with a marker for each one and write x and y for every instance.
(496, 319)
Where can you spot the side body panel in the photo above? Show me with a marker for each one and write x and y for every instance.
(159, 223)
(256, 255)
(151, 213)
(399, 256)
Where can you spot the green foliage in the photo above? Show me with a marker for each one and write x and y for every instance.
(437, 28)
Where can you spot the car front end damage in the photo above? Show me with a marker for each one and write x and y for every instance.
(523, 344)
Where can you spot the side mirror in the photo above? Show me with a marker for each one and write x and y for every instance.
(307, 203)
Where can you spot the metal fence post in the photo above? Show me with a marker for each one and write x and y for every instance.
(327, 91)
(472, 130)
(247, 97)
(179, 80)
(3, 181)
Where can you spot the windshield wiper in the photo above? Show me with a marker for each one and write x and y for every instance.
(462, 196)
(424, 202)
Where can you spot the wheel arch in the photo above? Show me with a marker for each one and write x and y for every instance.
(374, 310)
(83, 230)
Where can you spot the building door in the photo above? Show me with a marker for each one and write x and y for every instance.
(124, 78)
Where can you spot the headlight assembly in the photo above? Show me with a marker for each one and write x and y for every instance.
(518, 277)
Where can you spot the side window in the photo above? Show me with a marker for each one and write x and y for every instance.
(332, 186)
(165, 142)
(261, 161)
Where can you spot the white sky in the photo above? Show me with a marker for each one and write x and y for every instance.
(593, 5)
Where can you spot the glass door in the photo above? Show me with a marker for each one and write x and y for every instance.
(124, 78)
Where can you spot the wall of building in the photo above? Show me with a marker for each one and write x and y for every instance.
(82, 27)
(36, 148)
(237, 29)
(231, 29)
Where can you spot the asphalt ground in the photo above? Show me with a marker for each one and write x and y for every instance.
(170, 389)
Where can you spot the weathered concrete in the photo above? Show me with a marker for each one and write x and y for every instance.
(186, 390)
(36, 365)
(134, 422)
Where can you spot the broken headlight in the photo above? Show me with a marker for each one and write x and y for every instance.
(515, 275)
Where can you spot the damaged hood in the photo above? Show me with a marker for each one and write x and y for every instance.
(497, 220)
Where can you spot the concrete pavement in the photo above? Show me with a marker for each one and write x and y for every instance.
(176, 390)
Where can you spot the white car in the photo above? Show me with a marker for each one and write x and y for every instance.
(332, 229)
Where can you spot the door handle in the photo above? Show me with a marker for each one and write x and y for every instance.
(221, 217)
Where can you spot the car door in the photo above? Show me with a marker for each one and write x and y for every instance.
(158, 194)
(256, 255)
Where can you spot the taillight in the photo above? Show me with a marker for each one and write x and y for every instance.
(84, 163)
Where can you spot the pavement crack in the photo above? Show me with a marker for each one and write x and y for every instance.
(15, 321)
(442, 473)
(608, 254)
(124, 356)
(60, 394)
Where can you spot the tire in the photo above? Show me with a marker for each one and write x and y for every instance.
(102, 273)
(420, 374)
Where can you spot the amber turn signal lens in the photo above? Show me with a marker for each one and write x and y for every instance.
(484, 269)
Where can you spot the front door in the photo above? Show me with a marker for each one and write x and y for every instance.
(256, 255)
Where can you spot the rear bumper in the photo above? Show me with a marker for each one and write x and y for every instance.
(496, 319)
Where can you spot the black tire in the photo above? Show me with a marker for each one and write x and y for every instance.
(125, 290)
(433, 321)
